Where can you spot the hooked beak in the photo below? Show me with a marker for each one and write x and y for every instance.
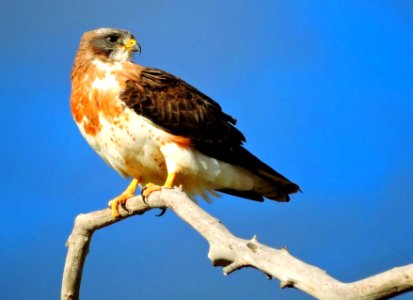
(132, 45)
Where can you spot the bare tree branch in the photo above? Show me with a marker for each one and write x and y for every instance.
(232, 253)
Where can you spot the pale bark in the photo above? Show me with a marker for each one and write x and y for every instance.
(232, 253)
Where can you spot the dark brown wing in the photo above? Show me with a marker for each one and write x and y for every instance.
(179, 108)
(182, 110)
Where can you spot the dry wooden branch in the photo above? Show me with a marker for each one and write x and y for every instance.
(232, 253)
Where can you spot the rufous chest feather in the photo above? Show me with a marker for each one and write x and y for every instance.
(127, 141)
(95, 92)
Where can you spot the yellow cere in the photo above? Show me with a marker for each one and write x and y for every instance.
(131, 43)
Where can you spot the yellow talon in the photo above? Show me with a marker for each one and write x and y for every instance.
(151, 187)
(122, 198)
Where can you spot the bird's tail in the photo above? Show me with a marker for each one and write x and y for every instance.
(268, 183)
(274, 187)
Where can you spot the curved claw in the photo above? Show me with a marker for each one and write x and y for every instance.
(122, 198)
(163, 211)
(149, 189)
(123, 205)
(143, 195)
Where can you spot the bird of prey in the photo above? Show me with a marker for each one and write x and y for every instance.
(160, 131)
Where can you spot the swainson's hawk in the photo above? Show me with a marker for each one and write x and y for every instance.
(157, 129)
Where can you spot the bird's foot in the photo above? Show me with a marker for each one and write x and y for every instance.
(149, 189)
(119, 201)
(123, 198)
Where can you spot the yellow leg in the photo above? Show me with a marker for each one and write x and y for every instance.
(170, 180)
(122, 198)
(150, 187)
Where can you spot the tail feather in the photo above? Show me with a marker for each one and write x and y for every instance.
(251, 195)
(268, 182)
(274, 187)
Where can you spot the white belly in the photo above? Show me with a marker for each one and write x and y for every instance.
(130, 144)
(134, 147)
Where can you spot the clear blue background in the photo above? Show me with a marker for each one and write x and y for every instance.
(323, 90)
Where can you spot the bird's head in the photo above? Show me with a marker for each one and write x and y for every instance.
(111, 44)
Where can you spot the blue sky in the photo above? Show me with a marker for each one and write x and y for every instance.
(321, 89)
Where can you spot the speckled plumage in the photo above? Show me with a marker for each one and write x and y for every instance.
(146, 123)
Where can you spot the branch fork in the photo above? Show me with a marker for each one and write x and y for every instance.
(230, 252)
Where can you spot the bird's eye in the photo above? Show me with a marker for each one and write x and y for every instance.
(112, 38)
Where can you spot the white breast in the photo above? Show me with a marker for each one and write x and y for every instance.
(131, 145)
(135, 147)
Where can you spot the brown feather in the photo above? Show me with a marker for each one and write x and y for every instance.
(192, 119)
(182, 110)
(179, 108)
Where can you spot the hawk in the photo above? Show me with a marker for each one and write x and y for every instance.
(160, 131)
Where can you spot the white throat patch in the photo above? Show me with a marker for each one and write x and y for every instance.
(121, 55)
